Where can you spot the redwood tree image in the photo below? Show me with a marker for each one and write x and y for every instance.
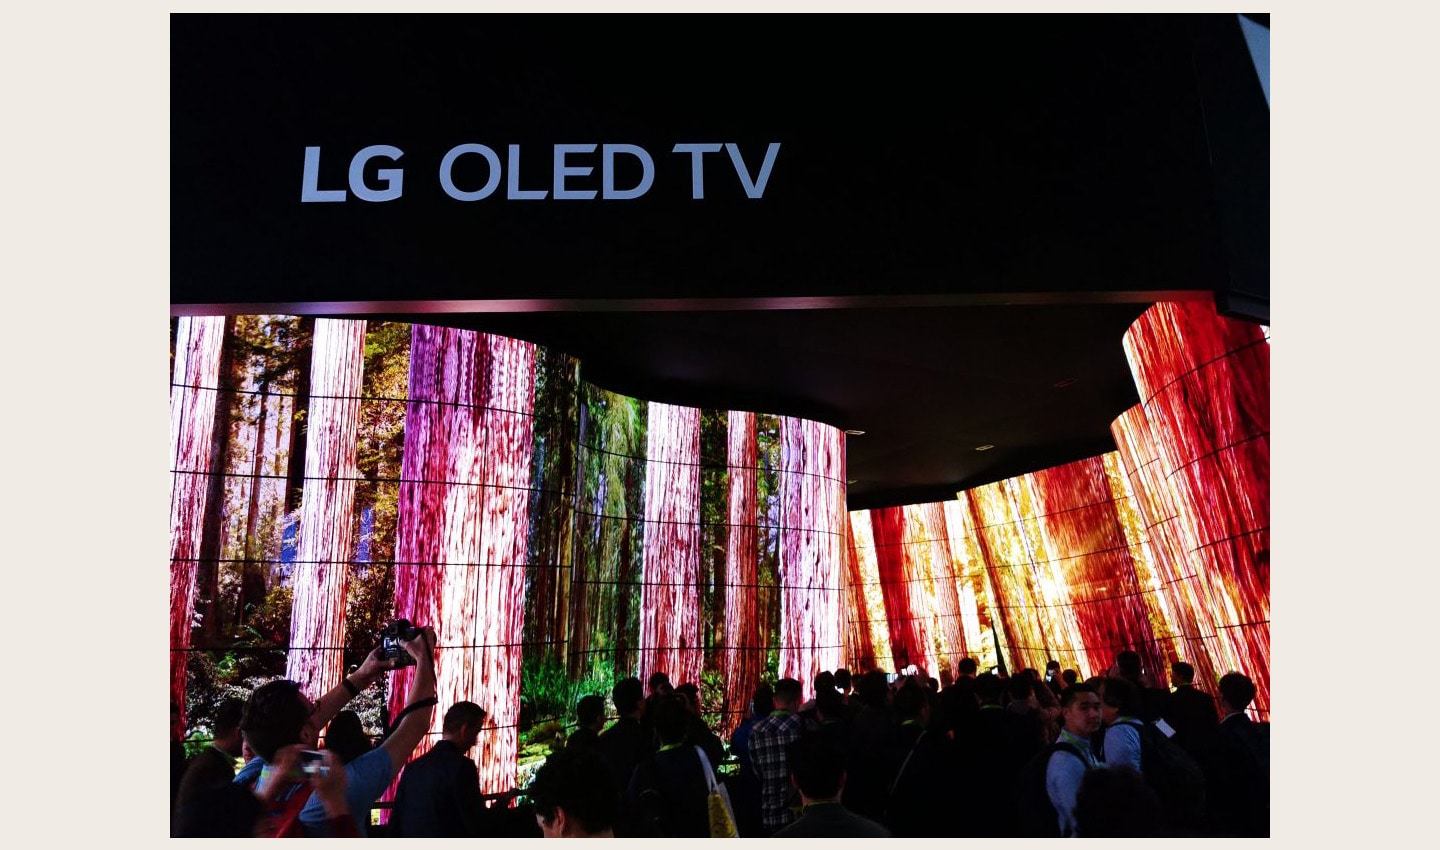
(326, 533)
(907, 603)
(928, 531)
(812, 524)
(193, 395)
(744, 657)
(670, 596)
(463, 514)
(859, 648)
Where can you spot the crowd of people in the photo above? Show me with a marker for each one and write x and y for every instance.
(876, 755)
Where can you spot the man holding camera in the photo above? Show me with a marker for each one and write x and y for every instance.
(279, 722)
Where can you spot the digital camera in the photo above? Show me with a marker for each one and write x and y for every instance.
(390, 638)
(312, 762)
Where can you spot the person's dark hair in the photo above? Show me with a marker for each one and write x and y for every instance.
(828, 702)
(968, 666)
(273, 717)
(577, 780)
(1129, 663)
(1237, 690)
(590, 708)
(1052, 664)
(817, 762)
(627, 695)
(842, 678)
(227, 716)
(1029, 673)
(1123, 695)
(871, 688)
(1182, 673)
(1070, 694)
(659, 681)
(909, 700)
(824, 681)
(1020, 687)
(1116, 802)
(461, 713)
(346, 737)
(1070, 677)
(672, 718)
(763, 701)
(788, 690)
(988, 688)
(691, 692)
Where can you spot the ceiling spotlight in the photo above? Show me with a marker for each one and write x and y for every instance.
(853, 432)
(852, 480)
(985, 448)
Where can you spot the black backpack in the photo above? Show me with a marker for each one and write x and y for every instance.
(1037, 815)
(1172, 774)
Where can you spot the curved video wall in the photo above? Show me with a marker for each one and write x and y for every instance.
(1161, 547)
(330, 475)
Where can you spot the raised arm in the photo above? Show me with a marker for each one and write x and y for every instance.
(335, 699)
(413, 724)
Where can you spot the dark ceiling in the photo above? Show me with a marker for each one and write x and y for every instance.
(1040, 383)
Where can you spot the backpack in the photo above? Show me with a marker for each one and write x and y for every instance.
(1172, 774)
(1037, 815)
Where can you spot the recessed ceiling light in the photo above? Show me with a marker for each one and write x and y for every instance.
(985, 448)
(853, 432)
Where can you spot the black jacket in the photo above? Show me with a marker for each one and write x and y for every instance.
(439, 797)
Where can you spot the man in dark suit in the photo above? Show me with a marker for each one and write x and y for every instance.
(624, 745)
(439, 793)
(1237, 766)
(214, 766)
(993, 751)
(1190, 712)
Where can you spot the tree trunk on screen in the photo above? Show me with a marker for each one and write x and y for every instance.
(859, 648)
(193, 397)
(948, 624)
(213, 535)
(909, 632)
(325, 544)
(1001, 602)
(812, 522)
(670, 598)
(744, 658)
(464, 507)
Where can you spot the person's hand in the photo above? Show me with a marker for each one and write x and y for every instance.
(284, 770)
(373, 665)
(329, 784)
(421, 648)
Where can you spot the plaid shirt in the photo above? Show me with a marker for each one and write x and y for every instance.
(768, 741)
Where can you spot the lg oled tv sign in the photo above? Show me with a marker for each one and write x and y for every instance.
(528, 160)
(575, 167)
